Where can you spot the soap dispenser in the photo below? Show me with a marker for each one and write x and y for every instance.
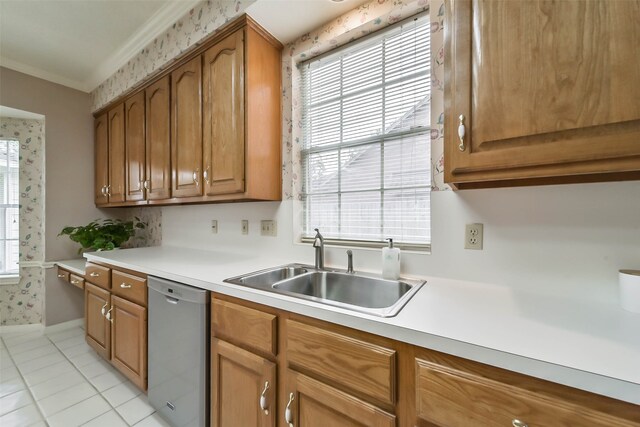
(391, 262)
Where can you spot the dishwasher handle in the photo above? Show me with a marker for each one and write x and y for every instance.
(171, 300)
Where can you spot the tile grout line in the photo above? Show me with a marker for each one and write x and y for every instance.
(98, 392)
(24, 381)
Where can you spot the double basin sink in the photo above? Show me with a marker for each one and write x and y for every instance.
(371, 295)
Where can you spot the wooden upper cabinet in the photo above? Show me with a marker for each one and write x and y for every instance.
(101, 180)
(546, 91)
(135, 147)
(186, 131)
(116, 186)
(223, 138)
(158, 143)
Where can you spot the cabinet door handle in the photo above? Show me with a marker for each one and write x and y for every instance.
(195, 177)
(103, 310)
(125, 285)
(263, 398)
(145, 184)
(94, 274)
(517, 423)
(108, 316)
(288, 415)
(461, 133)
(103, 190)
(205, 174)
(107, 189)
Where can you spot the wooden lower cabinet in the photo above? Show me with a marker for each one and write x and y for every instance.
(97, 327)
(312, 403)
(116, 319)
(243, 390)
(129, 340)
(333, 376)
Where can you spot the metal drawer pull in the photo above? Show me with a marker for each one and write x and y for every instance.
(517, 423)
(94, 274)
(195, 177)
(146, 185)
(104, 309)
(62, 276)
(108, 316)
(206, 175)
(461, 133)
(263, 399)
(125, 285)
(74, 282)
(288, 416)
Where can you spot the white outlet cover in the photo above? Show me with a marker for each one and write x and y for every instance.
(214, 226)
(473, 236)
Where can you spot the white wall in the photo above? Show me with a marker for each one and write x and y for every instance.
(561, 240)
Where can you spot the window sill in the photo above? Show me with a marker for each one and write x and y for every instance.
(9, 279)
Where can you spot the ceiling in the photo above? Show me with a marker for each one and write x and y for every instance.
(18, 114)
(80, 43)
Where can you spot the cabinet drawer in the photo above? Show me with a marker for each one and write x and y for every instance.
(448, 397)
(63, 274)
(130, 287)
(76, 281)
(358, 365)
(98, 275)
(245, 326)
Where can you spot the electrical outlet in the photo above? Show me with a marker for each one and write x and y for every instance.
(473, 236)
(214, 226)
(268, 228)
(244, 226)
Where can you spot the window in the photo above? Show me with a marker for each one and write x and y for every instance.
(9, 206)
(366, 142)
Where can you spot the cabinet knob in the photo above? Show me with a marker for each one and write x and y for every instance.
(288, 415)
(195, 177)
(94, 274)
(461, 133)
(125, 285)
(263, 398)
(103, 310)
(517, 423)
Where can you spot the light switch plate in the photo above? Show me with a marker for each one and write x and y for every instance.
(244, 226)
(268, 228)
(214, 226)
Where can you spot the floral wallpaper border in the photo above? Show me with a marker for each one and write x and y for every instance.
(24, 303)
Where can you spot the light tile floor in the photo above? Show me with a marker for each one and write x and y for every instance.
(57, 380)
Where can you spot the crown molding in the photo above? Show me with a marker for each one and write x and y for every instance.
(156, 25)
(42, 74)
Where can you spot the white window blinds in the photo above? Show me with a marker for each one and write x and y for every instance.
(9, 206)
(366, 143)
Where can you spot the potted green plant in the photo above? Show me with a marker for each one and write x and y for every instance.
(103, 235)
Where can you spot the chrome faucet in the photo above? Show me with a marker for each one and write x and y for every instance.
(318, 244)
(350, 262)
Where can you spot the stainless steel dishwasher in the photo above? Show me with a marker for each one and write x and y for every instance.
(178, 376)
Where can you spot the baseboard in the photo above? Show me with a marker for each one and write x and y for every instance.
(21, 329)
(64, 325)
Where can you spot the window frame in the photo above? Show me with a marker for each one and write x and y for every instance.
(305, 151)
(10, 276)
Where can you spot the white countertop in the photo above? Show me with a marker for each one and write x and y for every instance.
(76, 266)
(594, 347)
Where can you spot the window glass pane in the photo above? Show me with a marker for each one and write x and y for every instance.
(366, 143)
(9, 206)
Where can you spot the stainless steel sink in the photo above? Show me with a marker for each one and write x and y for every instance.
(357, 292)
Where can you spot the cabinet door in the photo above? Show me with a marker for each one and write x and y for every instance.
(135, 147)
(544, 88)
(101, 136)
(96, 326)
(116, 186)
(238, 381)
(186, 132)
(315, 404)
(129, 340)
(223, 139)
(158, 184)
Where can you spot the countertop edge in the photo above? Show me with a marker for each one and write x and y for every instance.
(75, 266)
